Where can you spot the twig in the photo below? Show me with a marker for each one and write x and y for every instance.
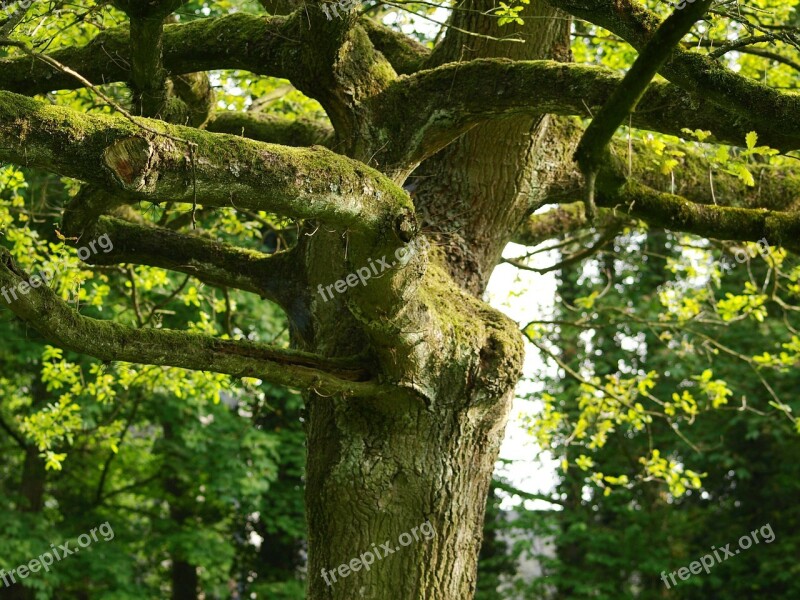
(166, 301)
(135, 297)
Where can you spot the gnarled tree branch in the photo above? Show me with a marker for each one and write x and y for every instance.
(411, 110)
(222, 170)
(109, 341)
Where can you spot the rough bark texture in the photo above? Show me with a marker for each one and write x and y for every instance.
(486, 181)
(369, 479)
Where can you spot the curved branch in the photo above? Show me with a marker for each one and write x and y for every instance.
(272, 129)
(773, 56)
(262, 45)
(773, 113)
(222, 170)
(20, 441)
(413, 113)
(424, 112)
(109, 341)
(196, 97)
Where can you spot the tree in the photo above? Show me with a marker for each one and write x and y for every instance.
(407, 374)
(618, 545)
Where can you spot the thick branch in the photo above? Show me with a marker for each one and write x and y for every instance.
(13, 434)
(109, 341)
(8, 25)
(412, 113)
(719, 222)
(222, 170)
(772, 113)
(262, 45)
(215, 263)
(272, 129)
(695, 178)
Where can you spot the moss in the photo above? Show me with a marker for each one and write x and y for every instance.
(273, 129)
(263, 45)
(720, 222)
(295, 182)
(476, 336)
(404, 54)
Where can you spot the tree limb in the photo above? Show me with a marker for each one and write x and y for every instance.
(626, 96)
(412, 110)
(215, 263)
(772, 112)
(777, 189)
(272, 128)
(605, 238)
(110, 341)
(262, 45)
(719, 222)
(223, 170)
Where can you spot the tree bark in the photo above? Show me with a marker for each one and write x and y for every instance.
(496, 172)
(379, 468)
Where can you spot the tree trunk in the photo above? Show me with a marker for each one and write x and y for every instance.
(32, 487)
(380, 467)
(375, 475)
(183, 573)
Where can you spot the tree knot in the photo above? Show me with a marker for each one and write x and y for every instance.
(406, 226)
(130, 161)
